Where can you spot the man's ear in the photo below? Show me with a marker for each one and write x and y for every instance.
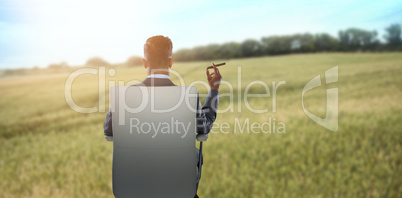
(144, 62)
(170, 63)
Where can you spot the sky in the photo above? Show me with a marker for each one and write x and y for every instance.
(42, 32)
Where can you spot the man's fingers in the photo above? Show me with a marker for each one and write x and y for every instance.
(208, 75)
(218, 73)
(215, 69)
(214, 78)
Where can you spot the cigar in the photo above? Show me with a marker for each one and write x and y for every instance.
(217, 65)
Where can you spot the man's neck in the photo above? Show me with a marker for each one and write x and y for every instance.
(158, 71)
(159, 76)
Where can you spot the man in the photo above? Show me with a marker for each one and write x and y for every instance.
(157, 62)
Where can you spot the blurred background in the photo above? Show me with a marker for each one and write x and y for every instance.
(50, 150)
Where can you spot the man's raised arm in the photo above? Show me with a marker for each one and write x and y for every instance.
(207, 114)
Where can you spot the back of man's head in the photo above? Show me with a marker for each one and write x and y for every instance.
(158, 52)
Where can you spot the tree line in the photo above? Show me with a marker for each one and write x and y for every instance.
(349, 40)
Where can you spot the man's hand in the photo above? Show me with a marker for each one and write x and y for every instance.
(215, 78)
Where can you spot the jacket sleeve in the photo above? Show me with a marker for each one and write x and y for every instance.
(107, 126)
(207, 114)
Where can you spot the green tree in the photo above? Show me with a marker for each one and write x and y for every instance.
(393, 35)
(276, 44)
(250, 47)
(304, 42)
(96, 62)
(357, 39)
(211, 52)
(325, 42)
(229, 50)
(183, 55)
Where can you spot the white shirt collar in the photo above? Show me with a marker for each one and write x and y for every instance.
(159, 76)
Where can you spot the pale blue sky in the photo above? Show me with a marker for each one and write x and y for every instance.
(40, 32)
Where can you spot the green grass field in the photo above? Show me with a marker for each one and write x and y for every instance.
(49, 150)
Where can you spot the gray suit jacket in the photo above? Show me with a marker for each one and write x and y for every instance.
(205, 115)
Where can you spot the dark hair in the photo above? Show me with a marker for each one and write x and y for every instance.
(158, 51)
